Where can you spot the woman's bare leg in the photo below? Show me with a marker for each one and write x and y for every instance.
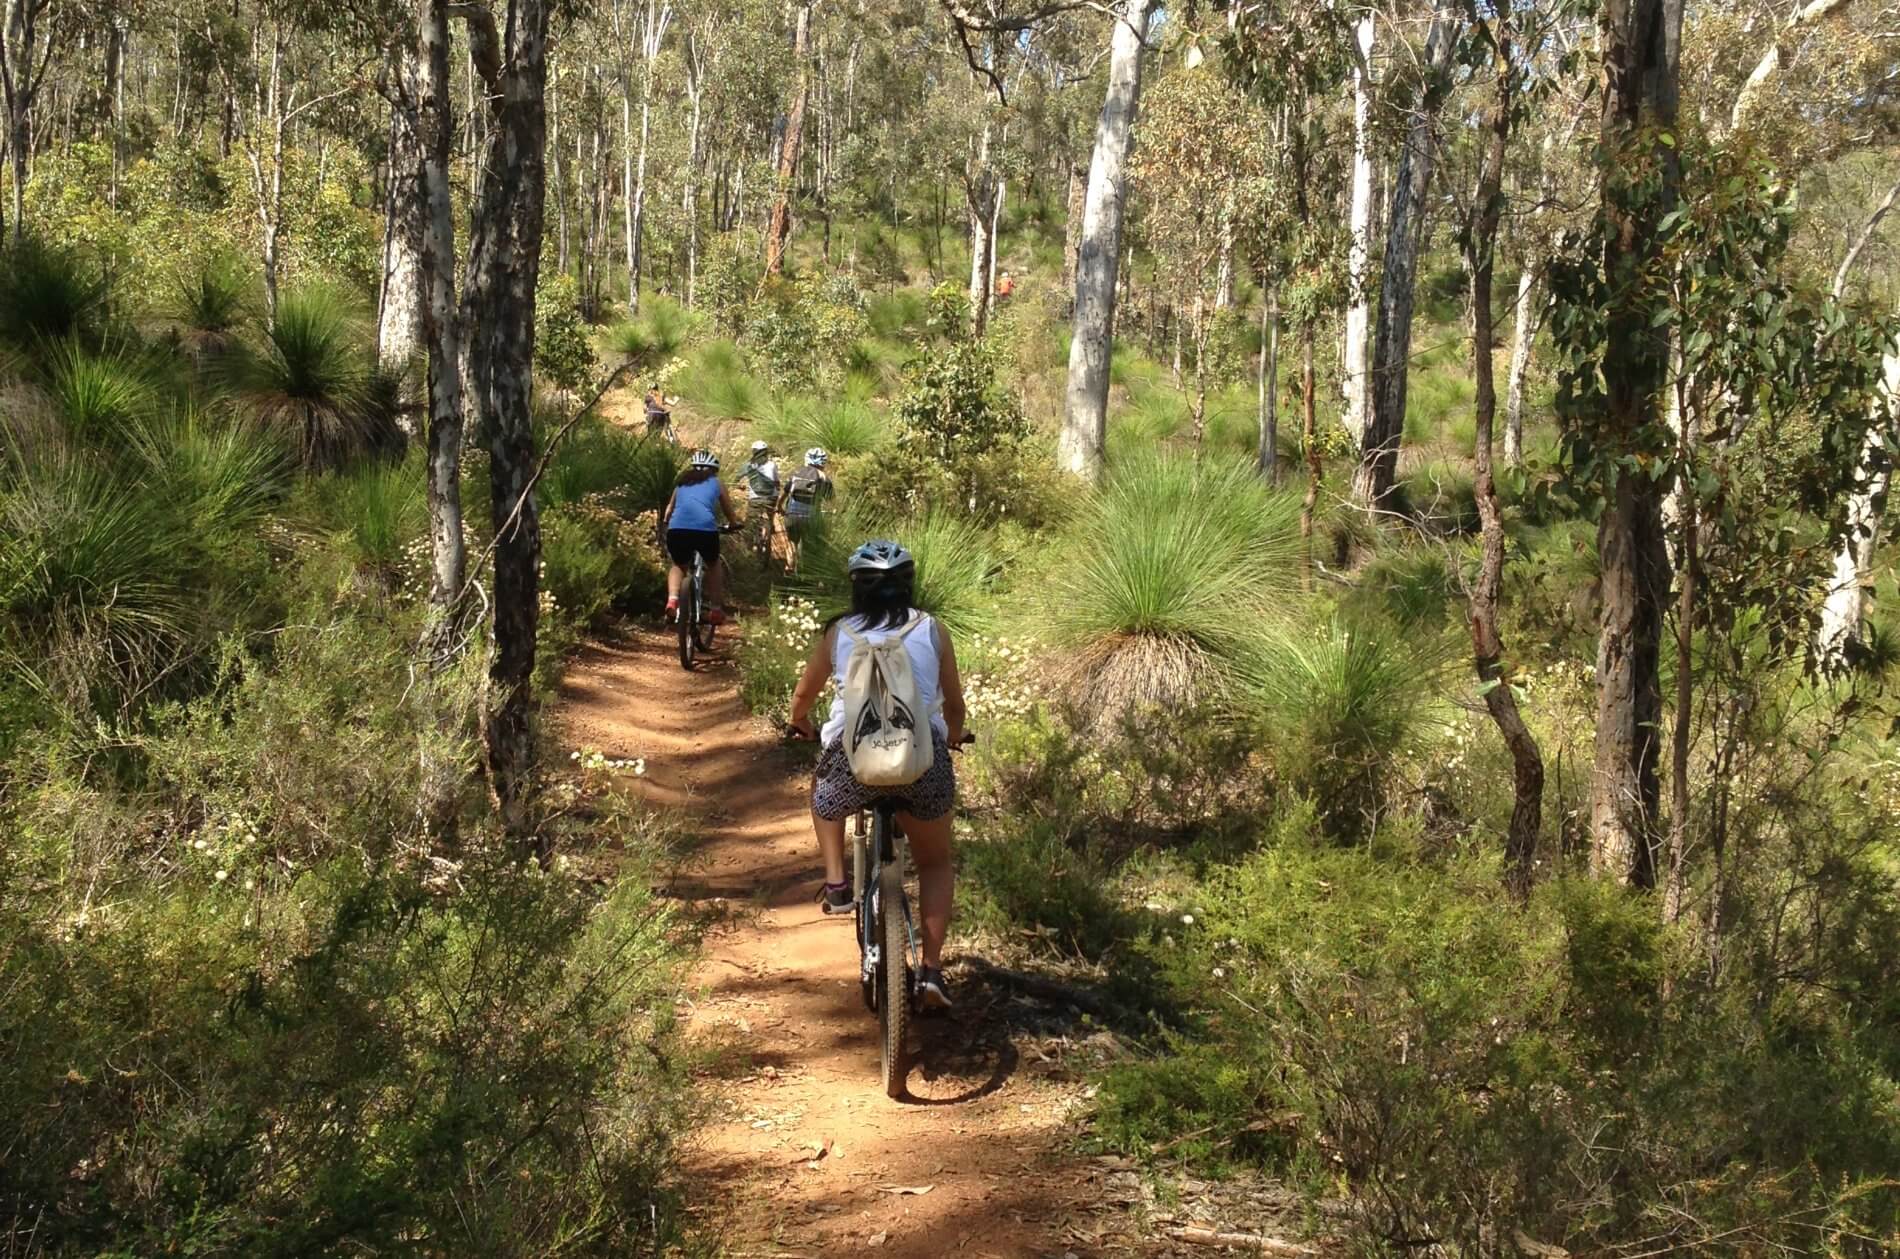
(831, 845)
(930, 850)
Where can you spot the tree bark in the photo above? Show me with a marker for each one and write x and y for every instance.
(503, 266)
(1527, 761)
(781, 224)
(1269, 385)
(399, 311)
(1641, 44)
(1377, 473)
(23, 67)
(1359, 250)
(1072, 229)
(1844, 612)
(1523, 331)
(1085, 411)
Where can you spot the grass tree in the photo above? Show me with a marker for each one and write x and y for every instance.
(1165, 579)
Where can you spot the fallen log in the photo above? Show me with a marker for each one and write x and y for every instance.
(1252, 1241)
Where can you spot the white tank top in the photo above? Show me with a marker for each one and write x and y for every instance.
(920, 646)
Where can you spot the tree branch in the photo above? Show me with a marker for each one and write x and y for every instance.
(1860, 242)
(1770, 61)
(484, 42)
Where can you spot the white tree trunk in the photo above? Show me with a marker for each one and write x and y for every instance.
(1523, 329)
(399, 312)
(979, 199)
(1359, 251)
(1098, 254)
(1770, 61)
(1846, 606)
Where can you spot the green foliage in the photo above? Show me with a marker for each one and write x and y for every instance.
(246, 1022)
(376, 513)
(727, 282)
(98, 396)
(1165, 578)
(1442, 496)
(961, 439)
(1340, 702)
(208, 303)
(310, 381)
(563, 350)
(596, 559)
(957, 564)
(598, 460)
(659, 332)
(49, 293)
(804, 330)
(1468, 1066)
(947, 312)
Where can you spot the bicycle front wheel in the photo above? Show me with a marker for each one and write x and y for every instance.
(894, 999)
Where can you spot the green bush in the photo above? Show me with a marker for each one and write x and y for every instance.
(1340, 702)
(310, 381)
(603, 461)
(49, 294)
(1164, 579)
(563, 351)
(1475, 1072)
(595, 559)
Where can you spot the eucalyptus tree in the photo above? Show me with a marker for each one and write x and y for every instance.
(26, 52)
(1201, 165)
(504, 263)
(1407, 222)
(1098, 249)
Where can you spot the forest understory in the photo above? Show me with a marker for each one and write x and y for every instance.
(1406, 482)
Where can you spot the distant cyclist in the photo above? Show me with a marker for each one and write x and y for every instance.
(761, 491)
(660, 413)
(883, 585)
(799, 500)
(691, 520)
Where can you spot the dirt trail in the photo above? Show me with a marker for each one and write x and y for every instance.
(810, 1157)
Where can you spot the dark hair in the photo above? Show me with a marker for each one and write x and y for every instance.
(693, 476)
(881, 601)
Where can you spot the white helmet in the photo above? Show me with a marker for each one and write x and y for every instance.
(759, 448)
(705, 459)
(816, 456)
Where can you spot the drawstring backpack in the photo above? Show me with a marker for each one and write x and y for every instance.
(887, 739)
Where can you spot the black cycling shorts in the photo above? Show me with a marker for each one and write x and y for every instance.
(683, 544)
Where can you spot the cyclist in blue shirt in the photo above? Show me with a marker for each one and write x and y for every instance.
(691, 521)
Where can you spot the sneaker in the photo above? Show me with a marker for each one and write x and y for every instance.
(932, 991)
(672, 612)
(715, 616)
(836, 898)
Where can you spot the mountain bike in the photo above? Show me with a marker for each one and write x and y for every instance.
(696, 633)
(890, 947)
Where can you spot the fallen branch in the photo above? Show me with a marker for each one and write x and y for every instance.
(1253, 1241)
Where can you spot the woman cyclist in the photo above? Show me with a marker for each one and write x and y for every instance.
(691, 521)
(798, 502)
(883, 582)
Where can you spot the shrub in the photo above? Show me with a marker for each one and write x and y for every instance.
(207, 303)
(49, 294)
(376, 514)
(961, 439)
(595, 559)
(563, 351)
(1340, 702)
(600, 460)
(310, 380)
(1164, 578)
(97, 395)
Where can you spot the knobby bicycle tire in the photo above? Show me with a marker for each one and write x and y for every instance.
(689, 617)
(894, 999)
(860, 885)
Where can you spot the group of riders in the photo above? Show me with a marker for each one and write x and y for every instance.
(883, 614)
